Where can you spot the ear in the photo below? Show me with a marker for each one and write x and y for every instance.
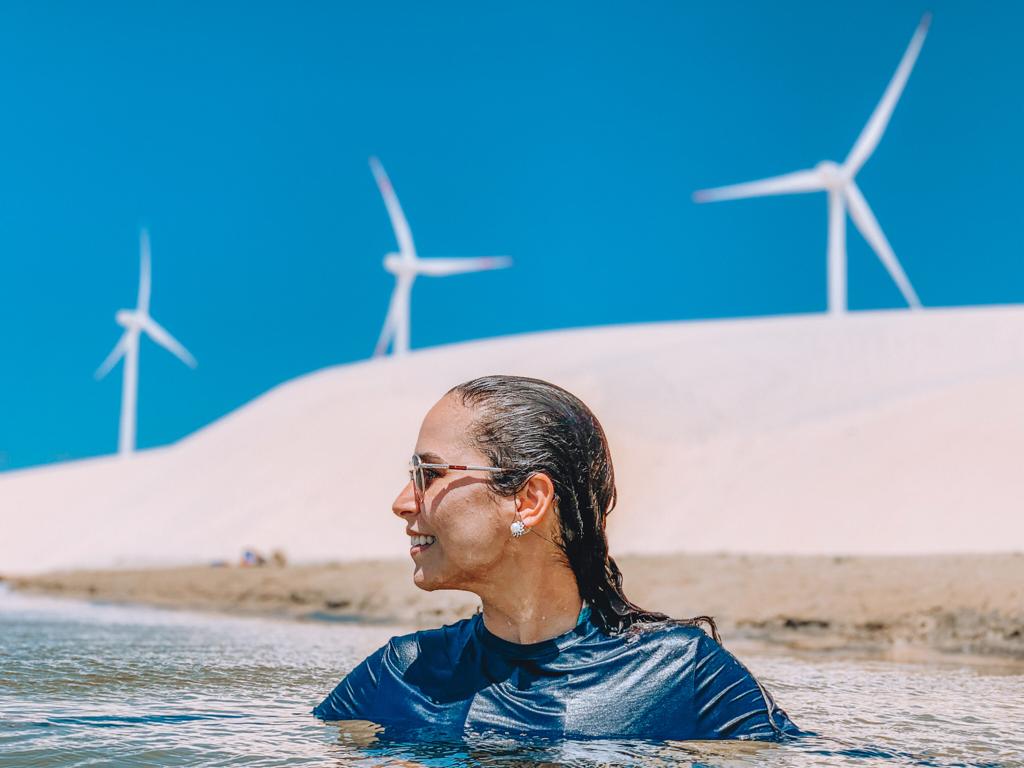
(536, 500)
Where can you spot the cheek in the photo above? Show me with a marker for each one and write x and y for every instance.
(469, 529)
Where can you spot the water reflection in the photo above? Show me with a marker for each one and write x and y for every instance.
(87, 685)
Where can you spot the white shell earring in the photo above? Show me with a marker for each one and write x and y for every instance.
(518, 528)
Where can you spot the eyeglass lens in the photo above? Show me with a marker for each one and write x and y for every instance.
(418, 481)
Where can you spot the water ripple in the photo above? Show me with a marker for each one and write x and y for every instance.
(88, 685)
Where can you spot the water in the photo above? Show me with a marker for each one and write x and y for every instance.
(87, 685)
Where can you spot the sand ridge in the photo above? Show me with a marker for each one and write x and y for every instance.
(871, 433)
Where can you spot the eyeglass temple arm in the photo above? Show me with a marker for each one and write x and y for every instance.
(463, 466)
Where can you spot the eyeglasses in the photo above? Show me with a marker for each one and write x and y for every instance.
(419, 479)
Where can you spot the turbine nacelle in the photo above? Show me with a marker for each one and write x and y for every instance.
(127, 318)
(832, 174)
(397, 264)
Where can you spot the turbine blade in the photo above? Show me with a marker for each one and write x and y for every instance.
(800, 181)
(435, 267)
(115, 354)
(403, 286)
(836, 272)
(398, 223)
(160, 335)
(866, 222)
(876, 125)
(387, 331)
(144, 273)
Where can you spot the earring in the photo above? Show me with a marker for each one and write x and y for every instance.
(518, 528)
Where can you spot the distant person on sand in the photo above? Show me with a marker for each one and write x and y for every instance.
(252, 559)
(509, 490)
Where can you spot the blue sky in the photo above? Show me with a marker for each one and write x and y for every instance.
(569, 135)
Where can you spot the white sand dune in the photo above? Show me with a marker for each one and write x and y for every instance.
(873, 433)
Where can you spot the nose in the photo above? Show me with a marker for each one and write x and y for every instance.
(405, 503)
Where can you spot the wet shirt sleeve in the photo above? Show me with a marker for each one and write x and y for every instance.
(353, 697)
(729, 703)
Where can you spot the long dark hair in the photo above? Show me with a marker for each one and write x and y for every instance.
(533, 426)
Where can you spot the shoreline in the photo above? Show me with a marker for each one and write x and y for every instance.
(900, 608)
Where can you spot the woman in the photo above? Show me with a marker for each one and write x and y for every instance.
(509, 491)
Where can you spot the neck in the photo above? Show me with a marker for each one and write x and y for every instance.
(535, 604)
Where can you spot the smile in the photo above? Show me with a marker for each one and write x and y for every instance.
(419, 543)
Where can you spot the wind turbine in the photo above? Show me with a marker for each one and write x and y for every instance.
(843, 192)
(135, 322)
(406, 266)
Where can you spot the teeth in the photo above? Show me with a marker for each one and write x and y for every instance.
(419, 541)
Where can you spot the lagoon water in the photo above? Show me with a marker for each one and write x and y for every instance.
(84, 684)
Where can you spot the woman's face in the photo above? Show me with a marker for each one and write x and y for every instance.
(469, 524)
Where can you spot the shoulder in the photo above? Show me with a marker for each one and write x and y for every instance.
(673, 647)
(709, 665)
(355, 696)
(671, 635)
(438, 645)
(680, 636)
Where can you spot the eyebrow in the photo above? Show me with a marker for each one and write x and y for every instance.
(431, 458)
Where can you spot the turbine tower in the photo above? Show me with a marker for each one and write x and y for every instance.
(135, 322)
(406, 266)
(843, 192)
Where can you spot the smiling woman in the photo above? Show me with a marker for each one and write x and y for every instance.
(510, 488)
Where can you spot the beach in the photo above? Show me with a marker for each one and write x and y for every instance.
(895, 607)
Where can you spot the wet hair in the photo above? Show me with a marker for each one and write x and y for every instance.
(532, 426)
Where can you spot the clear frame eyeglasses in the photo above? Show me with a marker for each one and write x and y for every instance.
(417, 472)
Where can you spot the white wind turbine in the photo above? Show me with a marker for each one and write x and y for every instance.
(134, 322)
(843, 193)
(406, 266)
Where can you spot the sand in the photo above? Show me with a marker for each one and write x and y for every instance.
(901, 608)
(871, 433)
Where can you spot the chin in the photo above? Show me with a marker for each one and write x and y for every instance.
(424, 582)
(430, 581)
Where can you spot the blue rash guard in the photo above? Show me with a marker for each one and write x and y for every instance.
(660, 681)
